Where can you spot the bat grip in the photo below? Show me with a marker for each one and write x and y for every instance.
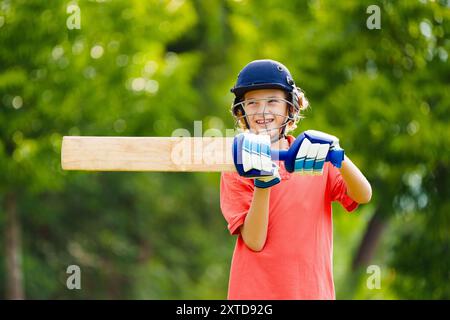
(281, 155)
(335, 156)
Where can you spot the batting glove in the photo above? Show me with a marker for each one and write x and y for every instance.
(252, 159)
(316, 148)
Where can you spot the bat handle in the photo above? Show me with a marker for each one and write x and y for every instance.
(335, 156)
(281, 155)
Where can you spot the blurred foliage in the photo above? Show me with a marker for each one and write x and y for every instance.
(146, 68)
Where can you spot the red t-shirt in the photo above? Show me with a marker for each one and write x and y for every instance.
(296, 261)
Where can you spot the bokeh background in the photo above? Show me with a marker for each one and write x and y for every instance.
(146, 68)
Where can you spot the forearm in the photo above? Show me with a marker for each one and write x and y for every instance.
(254, 229)
(358, 188)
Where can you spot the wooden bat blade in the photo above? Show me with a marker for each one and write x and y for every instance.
(196, 154)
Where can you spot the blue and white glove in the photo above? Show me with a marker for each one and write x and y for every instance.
(316, 148)
(252, 159)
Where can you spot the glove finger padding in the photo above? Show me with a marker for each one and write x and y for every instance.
(246, 153)
(317, 147)
(320, 159)
(256, 152)
(252, 158)
(266, 160)
(321, 137)
(311, 157)
(335, 154)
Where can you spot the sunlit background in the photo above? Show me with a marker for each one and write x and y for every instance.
(146, 68)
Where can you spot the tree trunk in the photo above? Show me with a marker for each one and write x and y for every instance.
(370, 241)
(14, 279)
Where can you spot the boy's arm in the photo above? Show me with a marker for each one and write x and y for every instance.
(254, 228)
(251, 155)
(358, 188)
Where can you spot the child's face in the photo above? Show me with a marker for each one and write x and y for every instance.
(266, 110)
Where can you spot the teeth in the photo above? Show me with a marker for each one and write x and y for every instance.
(263, 122)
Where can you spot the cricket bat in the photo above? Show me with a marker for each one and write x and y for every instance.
(189, 154)
(178, 154)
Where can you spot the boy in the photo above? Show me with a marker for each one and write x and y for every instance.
(284, 220)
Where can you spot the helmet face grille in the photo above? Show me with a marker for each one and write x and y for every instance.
(243, 119)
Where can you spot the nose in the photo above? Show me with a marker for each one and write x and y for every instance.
(263, 107)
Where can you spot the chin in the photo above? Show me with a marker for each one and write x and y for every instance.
(271, 131)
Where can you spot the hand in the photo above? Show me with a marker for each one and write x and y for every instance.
(252, 158)
(317, 147)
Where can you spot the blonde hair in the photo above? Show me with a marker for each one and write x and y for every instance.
(303, 104)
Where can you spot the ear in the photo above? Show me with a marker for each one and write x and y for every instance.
(289, 109)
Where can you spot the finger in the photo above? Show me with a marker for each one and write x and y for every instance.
(301, 155)
(320, 159)
(322, 137)
(266, 161)
(246, 153)
(310, 158)
(256, 152)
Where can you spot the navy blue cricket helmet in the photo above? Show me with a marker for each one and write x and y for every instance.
(265, 74)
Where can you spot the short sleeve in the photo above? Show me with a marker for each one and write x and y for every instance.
(236, 195)
(338, 189)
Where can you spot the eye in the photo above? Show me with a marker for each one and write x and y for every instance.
(274, 102)
(250, 103)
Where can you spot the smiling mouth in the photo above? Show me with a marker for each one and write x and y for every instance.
(264, 122)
